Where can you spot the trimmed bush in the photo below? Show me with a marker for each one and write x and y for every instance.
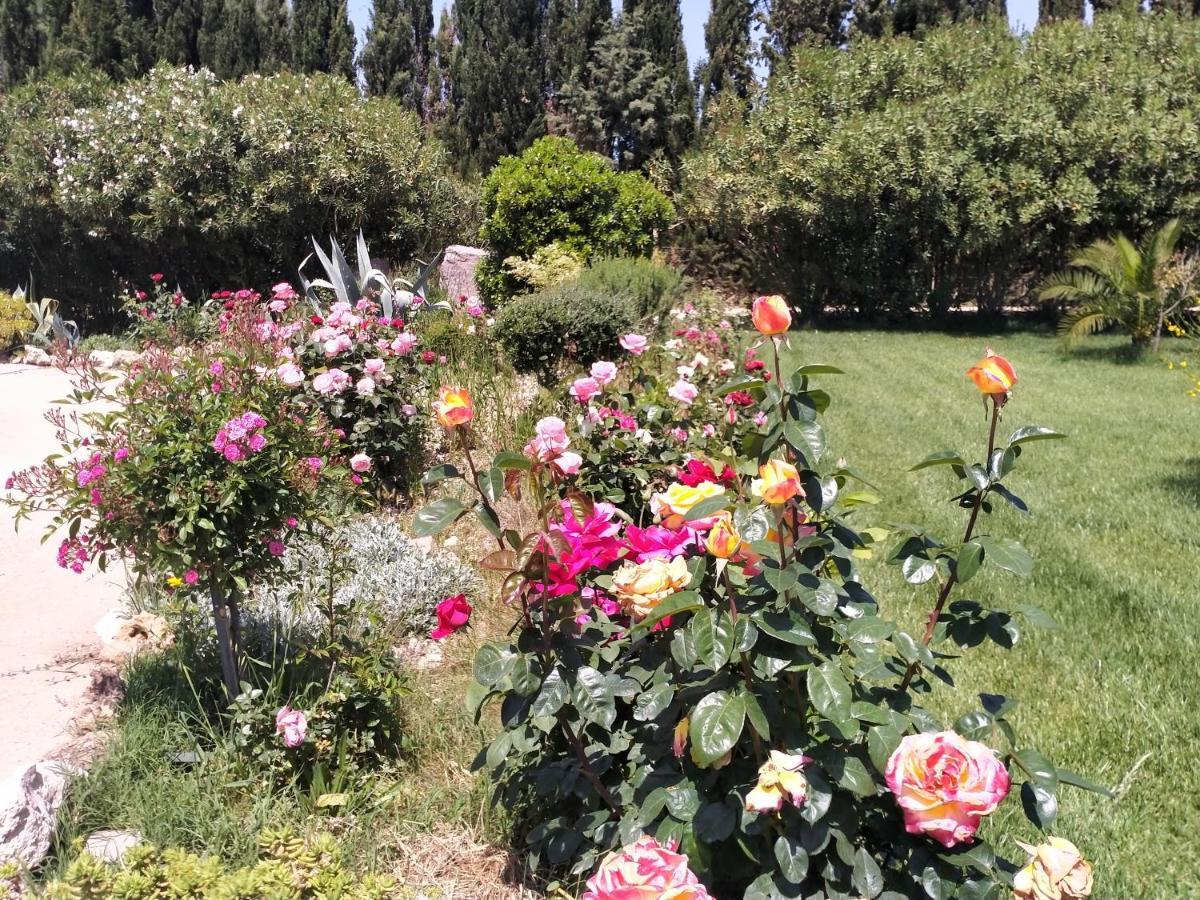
(904, 175)
(652, 287)
(214, 184)
(556, 193)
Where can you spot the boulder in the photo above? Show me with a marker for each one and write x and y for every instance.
(102, 359)
(457, 271)
(28, 808)
(110, 845)
(143, 633)
(35, 356)
(123, 358)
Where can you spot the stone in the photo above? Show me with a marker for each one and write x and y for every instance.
(123, 358)
(110, 844)
(457, 271)
(35, 356)
(28, 809)
(420, 654)
(102, 359)
(143, 633)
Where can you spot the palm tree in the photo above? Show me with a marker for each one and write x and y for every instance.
(1114, 282)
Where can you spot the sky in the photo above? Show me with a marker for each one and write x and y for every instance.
(1022, 16)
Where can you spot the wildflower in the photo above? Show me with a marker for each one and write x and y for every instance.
(191, 576)
(276, 548)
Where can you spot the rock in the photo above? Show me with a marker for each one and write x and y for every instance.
(110, 845)
(122, 358)
(457, 271)
(420, 654)
(28, 808)
(102, 359)
(144, 633)
(35, 356)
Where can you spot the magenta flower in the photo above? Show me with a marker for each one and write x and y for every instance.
(583, 389)
(121, 454)
(360, 462)
(276, 548)
(452, 614)
(191, 576)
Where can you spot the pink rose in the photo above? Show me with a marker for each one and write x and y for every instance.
(332, 382)
(635, 344)
(373, 366)
(645, 870)
(276, 548)
(257, 442)
(233, 452)
(290, 374)
(550, 438)
(583, 389)
(605, 373)
(944, 784)
(567, 463)
(315, 463)
(277, 305)
(683, 392)
(365, 386)
(403, 344)
(121, 454)
(452, 614)
(360, 462)
(292, 724)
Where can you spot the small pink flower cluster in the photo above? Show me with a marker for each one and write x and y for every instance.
(241, 437)
(549, 445)
(74, 553)
(91, 471)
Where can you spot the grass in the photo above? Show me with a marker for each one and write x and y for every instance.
(1115, 528)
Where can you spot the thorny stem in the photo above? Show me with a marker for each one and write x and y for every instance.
(746, 672)
(948, 585)
(586, 767)
(462, 439)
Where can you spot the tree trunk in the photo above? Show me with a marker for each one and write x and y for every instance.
(227, 620)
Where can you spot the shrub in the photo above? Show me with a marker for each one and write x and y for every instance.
(224, 181)
(555, 193)
(921, 174)
(568, 322)
(651, 286)
(106, 342)
(15, 320)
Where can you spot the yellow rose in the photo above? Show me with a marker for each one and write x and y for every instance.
(722, 540)
(1057, 871)
(779, 777)
(640, 588)
(778, 482)
(678, 499)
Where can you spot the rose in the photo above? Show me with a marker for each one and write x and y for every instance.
(290, 374)
(944, 784)
(452, 614)
(373, 366)
(723, 541)
(604, 372)
(646, 870)
(365, 386)
(583, 389)
(771, 315)
(1056, 871)
(678, 499)
(292, 724)
(640, 587)
(994, 375)
(778, 776)
(683, 392)
(453, 407)
(634, 343)
(778, 482)
(360, 462)
(333, 381)
(403, 344)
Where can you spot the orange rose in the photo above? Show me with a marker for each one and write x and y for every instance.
(723, 541)
(771, 315)
(778, 482)
(993, 374)
(453, 407)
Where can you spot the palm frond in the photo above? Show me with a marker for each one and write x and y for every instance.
(1105, 258)
(1075, 285)
(1080, 323)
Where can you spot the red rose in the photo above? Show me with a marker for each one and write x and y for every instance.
(452, 614)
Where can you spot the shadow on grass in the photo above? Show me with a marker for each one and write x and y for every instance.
(1185, 482)
(1126, 354)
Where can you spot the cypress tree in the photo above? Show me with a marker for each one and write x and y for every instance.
(239, 50)
(95, 36)
(656, 27)
(53, 16)
(323, 38)
(274, 35)
(497, 80)
(177, 32)
(395, 56)
(19, 42)
(440, 90)
(871, 19)
(209, 52)
(792, 23)
(1059, 11)
(727, 40)
(572, 30)
(340, 49)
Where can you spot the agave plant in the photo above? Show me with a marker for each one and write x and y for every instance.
(48, 323)
(348, 283)
(1114, 282)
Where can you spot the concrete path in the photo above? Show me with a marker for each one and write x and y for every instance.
(48, 615)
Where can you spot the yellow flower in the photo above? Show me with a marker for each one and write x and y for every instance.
(723, 541)
(678, 499)
(1057, 871)
(779, 776)
(778, 482)
(640, 588)
(174, 581)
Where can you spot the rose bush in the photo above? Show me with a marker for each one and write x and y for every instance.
(753, 705)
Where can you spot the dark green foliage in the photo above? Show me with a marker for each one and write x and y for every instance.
(651, 287)
(496, 76)
(177, 32)
(109, 35)
(659, 34)
(274, 35)
(208, 41)
(572, 29)
(395, 57)
(323, 38)
(567, 322)
(903, 176)
(234, 49)
(804, 23)
(556, 193)
(340, 49)
(18, 41)
(439, 88)
(727, 40)
(1059, 11)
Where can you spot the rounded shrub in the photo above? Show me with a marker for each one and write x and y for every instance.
(651, 286)
(555, 193)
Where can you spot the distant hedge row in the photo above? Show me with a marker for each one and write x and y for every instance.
(922, 174)
(213, 184)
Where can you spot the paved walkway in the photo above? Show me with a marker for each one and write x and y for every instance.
(47, 614)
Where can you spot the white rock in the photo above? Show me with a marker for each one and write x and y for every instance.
(126, 357)
(110, 845)
(35, 356)
(28, 807)
(457, 271)
(102, 359)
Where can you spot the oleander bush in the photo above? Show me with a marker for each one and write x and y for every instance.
(555, 193)
(910, 176)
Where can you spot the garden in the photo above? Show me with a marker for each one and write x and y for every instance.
(809, 521)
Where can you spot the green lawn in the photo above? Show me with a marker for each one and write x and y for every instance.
(1115, 528)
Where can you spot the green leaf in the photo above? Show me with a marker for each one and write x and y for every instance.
(706, 508)
(855, 778)
(1007, 554)
(918, 569)
(1027, 433)
(818, 369)
(684, 601)
(440, 473)
(492, 664)
(714, 822)
(714, 637)
(506, 459)
(716, 725)
(1039, 804)
(829, 691)
(653, 702)
(970, 557)
(821, 599)
(437, 517)
(807, 438)
(487, 517)
(525, 679)
(756, 715)
(792, 859)
(554, 693)
(491, 483)
(1039, 769)
(882, 741)
(786, 628)
(594, 697)
(940, 458)
(1066, 776)
(866, 877)
(869, 629)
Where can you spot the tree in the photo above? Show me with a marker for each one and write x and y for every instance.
(1114, 282)
(208, 40)
(792, 23)
(395, 56)
(658, 31)
(101, 34)
(177, 32)
(1059, 11)
(19, 42)
(727, 40)
(340, 49)
(323, 37)
(870, 19)
(274, 35)
(572, 30)
(238, 50)
(497, 80)
(439, 86)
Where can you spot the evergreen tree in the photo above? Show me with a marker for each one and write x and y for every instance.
(1059, 10)
(572, 30)
(656, 27)
(871, 19)
(395, 56)
(53, 16)
(440, 89)
(19, 42)
(323, 38)
(274, 35)
(497, 80)
(792, 23)
(177, 32)
(727, 40)
(340, 49)
(209, 51)
(97, 35)
(239, 51)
